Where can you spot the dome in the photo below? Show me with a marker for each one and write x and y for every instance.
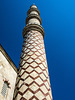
(33, 6)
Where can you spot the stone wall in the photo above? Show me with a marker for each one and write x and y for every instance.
(7, 74)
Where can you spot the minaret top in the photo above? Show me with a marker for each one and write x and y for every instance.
(33, 20)
(33, 6)
(33, 16)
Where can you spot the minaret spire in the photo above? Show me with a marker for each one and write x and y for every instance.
(33, 79)
(33, 21)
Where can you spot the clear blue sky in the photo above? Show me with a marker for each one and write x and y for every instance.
(58, 20)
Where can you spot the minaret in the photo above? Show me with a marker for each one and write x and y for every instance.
(33, 78)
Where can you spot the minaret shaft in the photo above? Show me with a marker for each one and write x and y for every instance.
(33, 80)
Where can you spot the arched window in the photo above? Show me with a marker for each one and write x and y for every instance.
(4, 88)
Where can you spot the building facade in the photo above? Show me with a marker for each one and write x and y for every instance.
(8, 74)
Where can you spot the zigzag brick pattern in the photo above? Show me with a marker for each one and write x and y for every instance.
(33, 80)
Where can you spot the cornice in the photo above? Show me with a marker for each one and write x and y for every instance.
(32, 9)
(33, 16)
(35, 27)
(8, 58)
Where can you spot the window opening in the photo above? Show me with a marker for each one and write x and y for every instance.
(4, 89)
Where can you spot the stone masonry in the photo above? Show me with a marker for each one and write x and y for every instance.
(33, 79)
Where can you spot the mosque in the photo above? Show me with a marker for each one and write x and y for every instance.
(31, 80)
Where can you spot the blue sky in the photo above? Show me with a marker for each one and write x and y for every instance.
(58, 21)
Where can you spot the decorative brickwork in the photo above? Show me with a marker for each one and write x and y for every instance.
(33, 79)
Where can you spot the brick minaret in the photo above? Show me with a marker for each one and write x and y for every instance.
(33, 79)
